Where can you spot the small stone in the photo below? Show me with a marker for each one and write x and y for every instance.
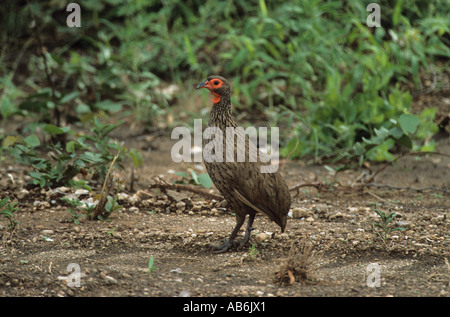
(184, 294)
(176, 196)
(47, 231)
(261, 237)
(123, 196)
(23, 193)
(181, 206)
(144, 195)
(134, 210)
(80, 192)
(110, 279)
(298, 213)
(135, 199)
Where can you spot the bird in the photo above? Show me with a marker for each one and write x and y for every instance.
(247, 190)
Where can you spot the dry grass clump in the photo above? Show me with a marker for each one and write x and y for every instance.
(298, 265)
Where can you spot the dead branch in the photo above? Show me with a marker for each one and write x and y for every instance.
(159, 183)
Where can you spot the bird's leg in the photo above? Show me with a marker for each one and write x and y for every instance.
(249, 229)
(229, 242)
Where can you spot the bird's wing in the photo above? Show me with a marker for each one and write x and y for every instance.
(263, 192)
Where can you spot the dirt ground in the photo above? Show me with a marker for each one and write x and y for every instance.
(43, 254)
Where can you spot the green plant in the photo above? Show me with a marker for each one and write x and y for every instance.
(7, 211)
(107, 200)
(151, 267)
(197, 179)
(385, 224)
(82, 154)
(332, 83)
(253, 252)
(72, 210)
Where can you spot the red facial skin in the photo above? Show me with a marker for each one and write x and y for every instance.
(211, 85)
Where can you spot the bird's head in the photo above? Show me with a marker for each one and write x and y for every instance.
(217, 85)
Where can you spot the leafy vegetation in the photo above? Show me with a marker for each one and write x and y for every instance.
(7, 210)
(202, 179)
(151, 268)
(80, 155)
(386, 224)
(341, 86)
(72, 210)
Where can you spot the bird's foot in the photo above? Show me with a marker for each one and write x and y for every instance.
(241, 243)
(227, 245)
(224, 247)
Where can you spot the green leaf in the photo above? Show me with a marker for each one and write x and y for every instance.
(32, 140)
(405, 141)
(69, 97)
(70, 147)
(194, 177)
(109, 204)
(136, 157)
(409, 123)
(263, 8)
(182, 174)
(150, 265)
(10, 140)
(205, 180)
(54, 130)
(358, 149)
(109, 105)
(396, 132)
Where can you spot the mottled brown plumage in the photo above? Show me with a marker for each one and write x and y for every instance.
(246, 189)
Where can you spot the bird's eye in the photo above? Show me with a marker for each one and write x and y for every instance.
(216, 82)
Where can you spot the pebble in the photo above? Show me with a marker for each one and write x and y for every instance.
(184, 293)
(123, 196)
(110, 279)
(261, 237)
(23, 193)
(181, 206)
(134, 210)
(298, 213)
(135, 199)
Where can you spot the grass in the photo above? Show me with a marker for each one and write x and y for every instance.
(298, 267)
(7, 210)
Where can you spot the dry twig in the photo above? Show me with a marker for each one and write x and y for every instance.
(162, 184)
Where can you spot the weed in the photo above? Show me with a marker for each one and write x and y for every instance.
(385, 224)
(81, 155)
(253, 252)
(198, 179)
(72, 210)
(151, 267)
(106, 203)
(297, 266)
(7, 211)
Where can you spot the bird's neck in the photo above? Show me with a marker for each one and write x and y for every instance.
(221, 113)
